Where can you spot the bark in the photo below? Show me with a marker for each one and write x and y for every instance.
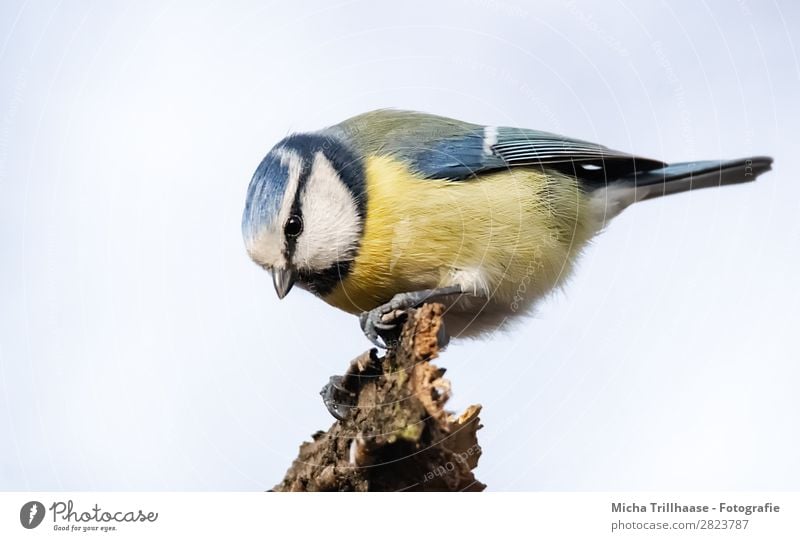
(396, 434)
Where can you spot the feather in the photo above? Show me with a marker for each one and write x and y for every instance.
(437, 147)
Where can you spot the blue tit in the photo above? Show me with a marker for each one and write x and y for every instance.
(389, 209)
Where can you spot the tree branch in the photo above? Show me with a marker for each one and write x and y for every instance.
(396, 434)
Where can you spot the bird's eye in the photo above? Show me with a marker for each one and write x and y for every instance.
(294, 226)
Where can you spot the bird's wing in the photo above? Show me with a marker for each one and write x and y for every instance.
(443, 148)
(589, 162)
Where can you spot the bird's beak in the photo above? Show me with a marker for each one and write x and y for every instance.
(283, 280)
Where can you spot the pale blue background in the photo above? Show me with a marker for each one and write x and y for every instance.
(141, 349)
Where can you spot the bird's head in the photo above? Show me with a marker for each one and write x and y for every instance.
(304, 213)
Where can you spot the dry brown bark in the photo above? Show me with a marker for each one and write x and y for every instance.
(397, 436)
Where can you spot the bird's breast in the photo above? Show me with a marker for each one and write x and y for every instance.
(513, 233)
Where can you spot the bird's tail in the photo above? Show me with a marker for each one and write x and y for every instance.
(681, 177)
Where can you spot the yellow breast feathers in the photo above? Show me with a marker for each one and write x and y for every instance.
(492, 235)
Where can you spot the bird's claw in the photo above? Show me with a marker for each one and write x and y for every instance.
(340, 395)
(336, 397)
(380, 324)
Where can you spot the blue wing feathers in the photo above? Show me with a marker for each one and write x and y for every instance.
(455, 158)
(444, 148)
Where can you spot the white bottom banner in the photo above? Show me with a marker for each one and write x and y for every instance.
(542, 515)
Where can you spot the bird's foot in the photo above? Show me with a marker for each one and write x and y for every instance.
(381, 325)
(341, 393)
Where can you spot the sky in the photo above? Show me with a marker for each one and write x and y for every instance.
(140, 348)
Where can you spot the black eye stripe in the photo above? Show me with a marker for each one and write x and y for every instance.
(291, 239)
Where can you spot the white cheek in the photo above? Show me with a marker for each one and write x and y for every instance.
(331, 224)
(266, 248)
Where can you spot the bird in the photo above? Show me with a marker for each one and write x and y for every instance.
(390, 209)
